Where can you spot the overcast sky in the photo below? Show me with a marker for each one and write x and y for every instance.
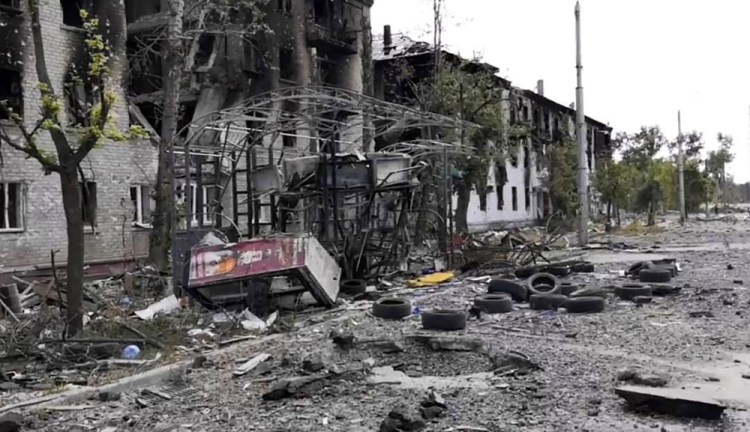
(643, 60)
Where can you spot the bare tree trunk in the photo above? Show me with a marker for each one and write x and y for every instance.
(462, 207)
(160, 241)
(71, 195)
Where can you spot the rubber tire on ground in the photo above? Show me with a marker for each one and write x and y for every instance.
(584, 267)
(546, 301)
(631, 291)
(559, 271)
(636, 268)
(584, 304)
(671, 267)
(568, 288)
(494, 303)
(655, 275)
(445, 320)
(353, 286)
(517, 291)
(539, 281)
(525, 272)
(391, 308)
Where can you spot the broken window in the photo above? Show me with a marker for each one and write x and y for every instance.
(284, 6)
(88, 203)
(527, 198)
(11, 206)
(514, 197)
(525, 158)
(80, 98)
(142, 204)
(514, 160)
(11, 92)
(322, 12)
(252, 60)
(327, 71)
(525, 113)
(288, 138)
(483, 202)
(72, 11)
(286, 64)
(500, 198)
(208, 194)
(135, 9)
(11, 4)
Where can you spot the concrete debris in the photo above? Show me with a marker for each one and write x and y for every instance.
(401, 420)
(701, 314)
(513, 364)
(440, 343)
(166, 305)
(636, 377)
(251, 364)
(674, 402)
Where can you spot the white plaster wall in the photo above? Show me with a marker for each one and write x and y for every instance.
(480, 220)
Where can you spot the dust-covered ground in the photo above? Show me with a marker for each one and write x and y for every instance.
(580, 358)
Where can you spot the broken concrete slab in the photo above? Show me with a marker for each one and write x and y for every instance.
(638, 378)
(674, 402)
(442, 343)
(400, 420)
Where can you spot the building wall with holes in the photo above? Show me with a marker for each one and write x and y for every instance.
(115, 168)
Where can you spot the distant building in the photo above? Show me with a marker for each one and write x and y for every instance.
(517, 193)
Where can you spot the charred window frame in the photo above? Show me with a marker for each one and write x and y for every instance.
(71, 10)
(12, 6)
(88, 203)
(284, 6)
(514, 159)
(11, 207)
(140, 198)
(252, 60)
(11, 92)
(286, 63)
(80, 97)
(527, 198)
(500, 197)
(514, 197)
(289, 129)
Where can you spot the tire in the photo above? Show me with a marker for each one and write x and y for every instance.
(445, 320)
(663, 290)
(629, 292)
(546, 301)
(540, 283)
(671, 267)
(584, 267)
(655, 275)
(636, 268)
(525, 272)
(518, 292)
(391, 308)
(568, 288)
(584, 305)
(494, 303)
(353, 286)
(559, 271)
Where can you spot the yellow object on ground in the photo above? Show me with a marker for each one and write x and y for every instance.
(431, 279)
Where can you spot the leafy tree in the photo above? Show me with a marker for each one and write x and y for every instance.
(616, 182)
(71, 146)
(475, 96)
(640, 150)
(717, 162)
(562, 163)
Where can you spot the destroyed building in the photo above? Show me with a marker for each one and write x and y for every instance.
(516, 193)
(32, 221)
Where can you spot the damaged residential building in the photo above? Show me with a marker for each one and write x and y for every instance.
(517, 191)
(117, 175)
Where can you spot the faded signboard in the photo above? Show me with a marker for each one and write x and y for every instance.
(223, 263)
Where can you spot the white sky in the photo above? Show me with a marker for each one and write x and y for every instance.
(643, 59)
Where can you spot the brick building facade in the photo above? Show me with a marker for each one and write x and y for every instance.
(33, 221)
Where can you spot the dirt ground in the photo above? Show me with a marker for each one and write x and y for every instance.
(580, 358)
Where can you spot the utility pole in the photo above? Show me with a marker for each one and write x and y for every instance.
(681, 169)
(583, 174)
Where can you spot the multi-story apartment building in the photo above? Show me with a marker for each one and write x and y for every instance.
(517, 193)
(230, 57)
(32, 221)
